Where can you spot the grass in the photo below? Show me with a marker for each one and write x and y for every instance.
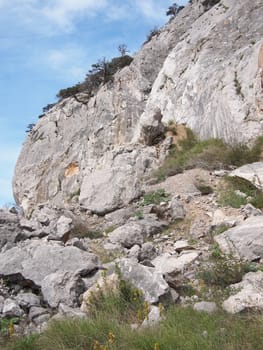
(108, 327)
(229, 193)
(209, 154)
(181, 329)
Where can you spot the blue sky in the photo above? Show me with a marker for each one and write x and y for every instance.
(46, 45)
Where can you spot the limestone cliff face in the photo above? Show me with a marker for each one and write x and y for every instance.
(212, 79)
(205, 69)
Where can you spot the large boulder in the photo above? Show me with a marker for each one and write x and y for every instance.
(54, 269)
(251, 172)
(116, 180)
(245, 241)
(249, 296)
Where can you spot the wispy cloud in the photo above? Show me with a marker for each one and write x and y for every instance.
(72, 60)
(150, 9)
(63, 12)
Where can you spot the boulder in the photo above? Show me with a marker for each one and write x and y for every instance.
(128, 235)
(11, 308)
(26, 300)
(181, 245)
(51, 266)
(176, 209)
(252, 172)
(63, 228)
(249, 296)
(151, 282)
(135, 231)
(9, 228)
(245, 241)
(38, 314)
(173, 264)
(147, 252)
(64, 287)
(123, 170)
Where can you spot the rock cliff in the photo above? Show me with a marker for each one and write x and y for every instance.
(204, 68)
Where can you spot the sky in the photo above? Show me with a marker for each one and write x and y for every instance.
(47, 45)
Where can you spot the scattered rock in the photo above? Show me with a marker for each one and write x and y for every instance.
(26, 300)
(182, 245)
(147, 252)
(11, 308)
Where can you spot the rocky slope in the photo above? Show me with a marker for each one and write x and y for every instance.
(84, 167)
(204, 69)
(170, 248)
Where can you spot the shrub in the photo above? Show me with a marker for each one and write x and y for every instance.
(155, 197)
(153, 32)
(223, 271)
(100, 73)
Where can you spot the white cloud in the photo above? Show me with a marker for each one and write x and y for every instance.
(63, 12)
(67, 60)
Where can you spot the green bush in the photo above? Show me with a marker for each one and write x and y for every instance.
(155, 197)
(99, 74)
(222, 271)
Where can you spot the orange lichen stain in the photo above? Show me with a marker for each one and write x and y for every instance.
(72, 169)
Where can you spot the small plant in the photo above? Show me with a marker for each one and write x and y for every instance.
(216, 252)
(155, 197)
(138, 214)
(153, 32)
(110, 229)
(238, 86)
(91, 234)
(223, 271)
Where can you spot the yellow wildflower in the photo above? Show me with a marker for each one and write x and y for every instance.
(11, 329)
(111, 338)
(156, 346)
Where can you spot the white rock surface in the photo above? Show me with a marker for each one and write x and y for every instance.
(170, 264)
(252, 172)
(204, 69)
(249, 296)
(245, 240)
(145, 278)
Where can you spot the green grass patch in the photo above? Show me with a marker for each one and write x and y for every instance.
(229, 194)
(208, 154)
(181, 329)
